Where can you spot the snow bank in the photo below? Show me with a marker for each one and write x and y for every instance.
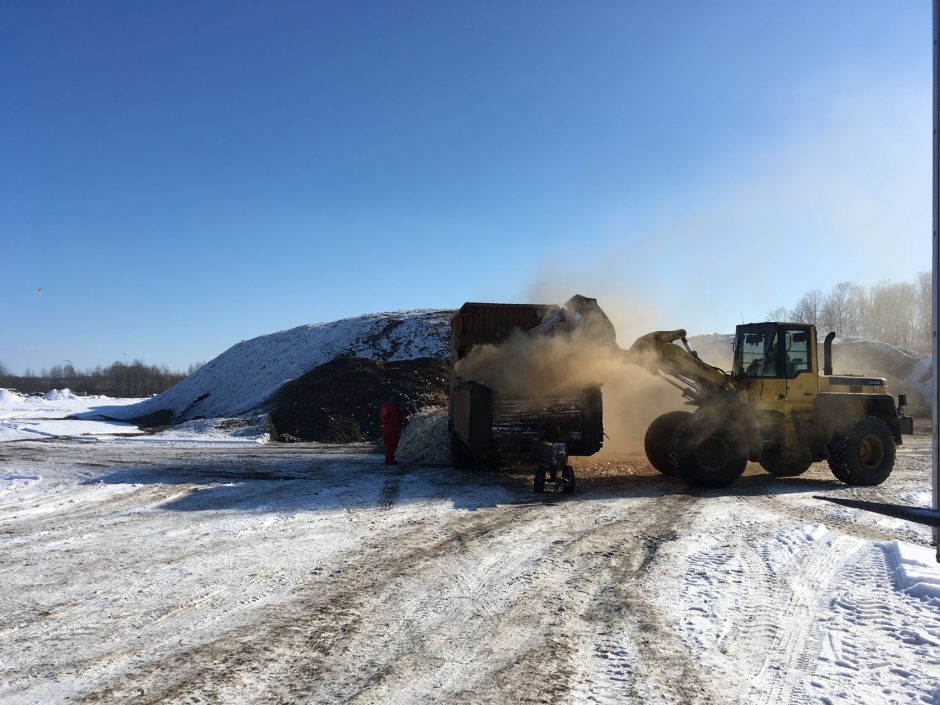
(921, 377)
(13, 483)
(215, 431)
(59, 395)
(915, 570)
(9, 398)
(241, 379)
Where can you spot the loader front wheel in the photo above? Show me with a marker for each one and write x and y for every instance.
(658, 437)
(706, 454)
(865, 454)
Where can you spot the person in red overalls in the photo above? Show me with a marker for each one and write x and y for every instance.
(391, 416)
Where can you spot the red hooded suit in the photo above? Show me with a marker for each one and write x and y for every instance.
(391, 417)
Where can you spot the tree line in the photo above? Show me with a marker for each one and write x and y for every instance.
(899, 313)
(118, 379)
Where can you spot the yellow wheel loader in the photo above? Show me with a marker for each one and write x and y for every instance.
(774, 408)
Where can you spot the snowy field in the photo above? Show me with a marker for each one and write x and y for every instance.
(201, 566)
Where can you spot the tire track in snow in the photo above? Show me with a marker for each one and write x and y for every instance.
(902, 661)
(293, 650)
(505, 629)
(632, 652)
(833, 516)
(391, 488)
(754, 590)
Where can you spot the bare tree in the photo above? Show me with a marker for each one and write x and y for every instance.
(808, 309)
(890, 316)
(835, 308)
(898, 313)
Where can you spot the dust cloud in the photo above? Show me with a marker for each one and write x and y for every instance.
(531, 365)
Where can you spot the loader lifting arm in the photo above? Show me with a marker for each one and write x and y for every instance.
(658, 353)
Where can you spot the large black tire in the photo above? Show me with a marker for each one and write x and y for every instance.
(459, 454)
(658, 437)
(785, 468)
(864, 455)
(707, 453)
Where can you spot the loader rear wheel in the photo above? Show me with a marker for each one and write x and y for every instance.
(865, 454)
(785, 468)
(706, 454)
(658, 437)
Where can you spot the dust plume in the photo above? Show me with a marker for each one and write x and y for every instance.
(530, 365)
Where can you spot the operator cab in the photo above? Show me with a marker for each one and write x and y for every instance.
(772, 350)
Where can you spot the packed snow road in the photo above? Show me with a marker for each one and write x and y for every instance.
(222, 573)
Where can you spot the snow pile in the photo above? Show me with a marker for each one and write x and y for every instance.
(254, 430)
(13, 483)
(53, 415)
(915, 570)
(59, 395)
(920, 378)
(425, 439)
(241, 379)
(906, 371)
(9, 398)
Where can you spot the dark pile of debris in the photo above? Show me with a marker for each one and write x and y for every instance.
(338, 402)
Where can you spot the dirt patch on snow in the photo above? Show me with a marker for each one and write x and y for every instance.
(338, 402)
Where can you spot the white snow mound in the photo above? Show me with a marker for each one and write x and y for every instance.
(8, 397)
(59, 395)
(915, 570)
(242, 378)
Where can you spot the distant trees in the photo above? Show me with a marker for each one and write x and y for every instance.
(118, 379)
(899, 313)
(808, 308)
(842, 309)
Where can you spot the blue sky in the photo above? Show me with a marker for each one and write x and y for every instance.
(179, 176)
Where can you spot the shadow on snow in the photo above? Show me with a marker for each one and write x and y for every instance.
(296, 484)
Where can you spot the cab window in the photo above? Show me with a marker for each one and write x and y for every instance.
(756, 353)
(796, 347)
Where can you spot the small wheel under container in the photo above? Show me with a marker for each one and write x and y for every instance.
(539, 484)
(567, 480)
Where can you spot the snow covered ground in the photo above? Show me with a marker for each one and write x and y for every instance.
(61, 414)
(23, 417)
(188, 570)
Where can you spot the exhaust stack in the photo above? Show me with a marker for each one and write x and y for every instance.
(827, 353)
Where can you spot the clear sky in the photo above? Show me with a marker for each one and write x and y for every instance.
(179, 176)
